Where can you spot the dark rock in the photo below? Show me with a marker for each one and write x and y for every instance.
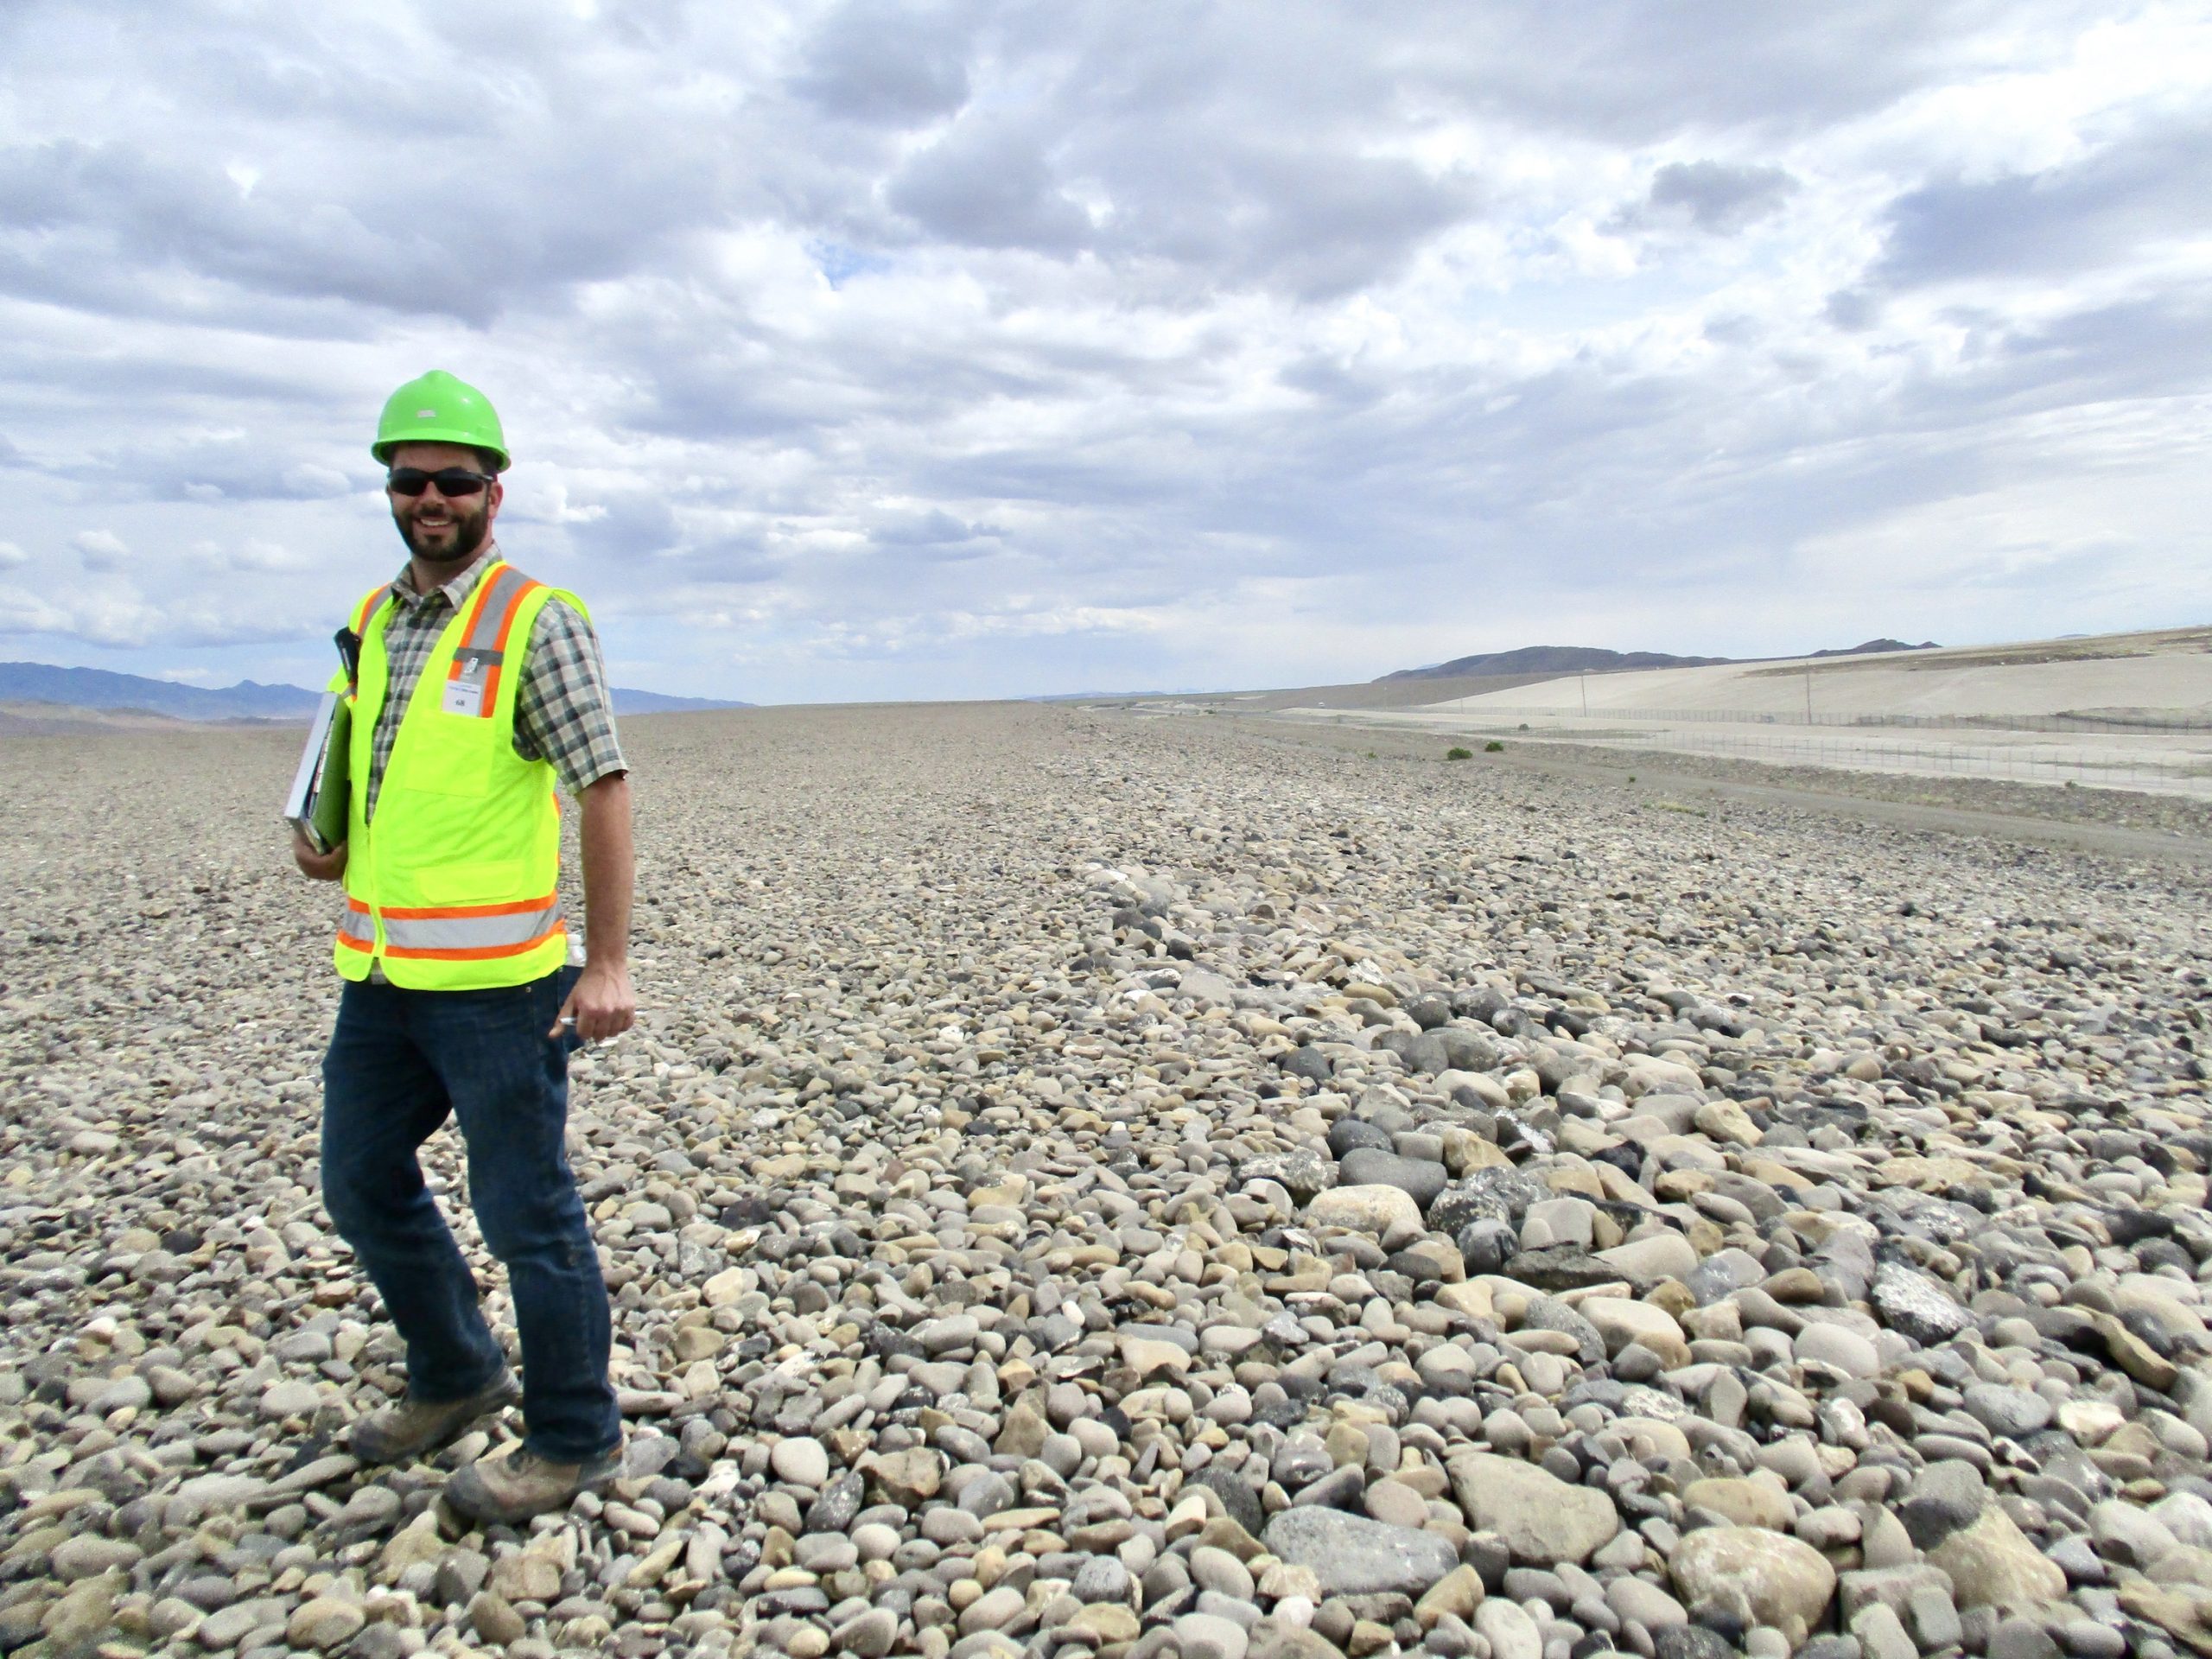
(805, 1599)
(1239, 1500)
(1550, 1314)
(1348, 1134)
(1559, 1268)
(1478, 1001)
(1690, 1642)
(840, 1502)
(2155, 1253)
(1415, 1269)
(1723, 1621)
(1400, 1043)
(1466, 1049)
(1487, 1246)
(1486, 1195)
(1427, 1053)
(1415, 1177)
(1626, 1157)
(1053, 1333)
(1945, 1496)
(2131, 1226)
(752, 1210)
(1340, 1489)
(1493, 1559)
(888, 1341)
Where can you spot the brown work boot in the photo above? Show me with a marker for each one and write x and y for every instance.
(512, 1486)
(414, 1427)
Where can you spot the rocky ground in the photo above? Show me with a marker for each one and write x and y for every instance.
(1086, 1186)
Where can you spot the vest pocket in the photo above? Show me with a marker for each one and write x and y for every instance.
(440, 767)
(472, 883)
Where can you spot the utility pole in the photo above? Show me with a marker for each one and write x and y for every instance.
(1582, 680)
(1808, 696)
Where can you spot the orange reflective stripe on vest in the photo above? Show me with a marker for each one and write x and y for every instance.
(357, 928)
(482, 651)
(368, 607)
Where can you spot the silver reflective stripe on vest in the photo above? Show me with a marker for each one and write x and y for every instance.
(483, 635)
(357, 925)
(406, 936)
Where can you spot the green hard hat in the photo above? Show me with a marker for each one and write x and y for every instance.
(439, 408)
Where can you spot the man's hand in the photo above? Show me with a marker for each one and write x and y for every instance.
(317, 866)
(602, 1004)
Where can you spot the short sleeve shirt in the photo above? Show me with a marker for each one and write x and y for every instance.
(564, 714)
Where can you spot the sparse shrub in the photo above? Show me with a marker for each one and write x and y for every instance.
(1632, 777)
(1524, 725)
(1458, 753)
(1496, 748)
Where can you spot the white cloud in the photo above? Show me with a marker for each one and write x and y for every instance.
(118, 616)
(11, 557)
(100, 549)
(1287, 344)
(256, 554)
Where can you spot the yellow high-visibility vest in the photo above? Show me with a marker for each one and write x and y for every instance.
(455, 885)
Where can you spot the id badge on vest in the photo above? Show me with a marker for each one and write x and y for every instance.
(465, 685)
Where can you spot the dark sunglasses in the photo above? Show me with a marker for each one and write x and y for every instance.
(451, 480)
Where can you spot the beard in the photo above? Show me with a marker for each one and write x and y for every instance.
(441, 547)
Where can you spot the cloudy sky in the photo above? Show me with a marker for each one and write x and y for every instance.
(865, 350)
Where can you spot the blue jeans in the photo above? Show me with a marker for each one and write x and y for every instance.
(400, 1063)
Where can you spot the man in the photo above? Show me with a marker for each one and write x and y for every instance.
(476, 688)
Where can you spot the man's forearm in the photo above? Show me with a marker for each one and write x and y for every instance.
(610, 871)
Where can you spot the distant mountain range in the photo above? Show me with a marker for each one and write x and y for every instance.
(98, 688)
(1589, 659)
(1873, 645)
(629, 702)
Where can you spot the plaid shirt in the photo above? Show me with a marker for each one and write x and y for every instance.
(563, 713)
